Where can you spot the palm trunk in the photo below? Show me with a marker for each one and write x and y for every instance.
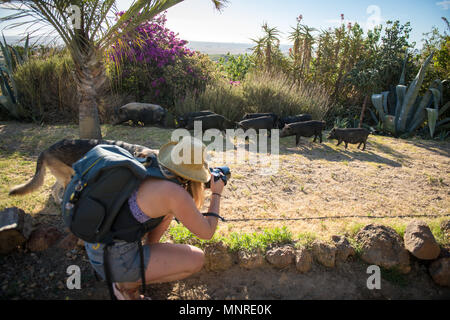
(90, 76)
(363, 111)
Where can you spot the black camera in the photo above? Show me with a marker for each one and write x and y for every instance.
(223, 173)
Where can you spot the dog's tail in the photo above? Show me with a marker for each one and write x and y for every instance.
(35, 182)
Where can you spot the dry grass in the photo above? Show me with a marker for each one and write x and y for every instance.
(328, 189)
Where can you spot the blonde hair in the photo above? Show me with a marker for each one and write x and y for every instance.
(197, 191)
(194, 188)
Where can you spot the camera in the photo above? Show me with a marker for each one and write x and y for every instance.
(223, 173)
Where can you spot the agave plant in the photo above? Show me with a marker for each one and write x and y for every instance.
(411, 110)
(12, 58)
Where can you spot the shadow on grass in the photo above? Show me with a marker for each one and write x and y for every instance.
(441, 148)
(30, 139)
(316, 151)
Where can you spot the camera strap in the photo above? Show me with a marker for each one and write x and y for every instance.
(212, 214)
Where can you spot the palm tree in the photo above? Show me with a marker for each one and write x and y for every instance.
(88, 39)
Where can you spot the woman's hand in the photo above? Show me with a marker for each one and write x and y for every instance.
(217, 186)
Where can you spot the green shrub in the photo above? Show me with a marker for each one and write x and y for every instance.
(275, 92)
(46, 90)
(164, 86)
(236, 67)
(259, 92)
(220, 97)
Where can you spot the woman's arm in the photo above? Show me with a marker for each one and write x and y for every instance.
(183, 208)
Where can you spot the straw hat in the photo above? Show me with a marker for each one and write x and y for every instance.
(186, 159)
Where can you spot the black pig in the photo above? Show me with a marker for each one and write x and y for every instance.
(257, 124)
(303, 129)
(212, 121)
(291, 119)
(141, 112)
(349, 135)
(249, 116)
(185, 118)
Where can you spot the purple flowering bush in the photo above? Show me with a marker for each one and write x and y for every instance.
(156, 66)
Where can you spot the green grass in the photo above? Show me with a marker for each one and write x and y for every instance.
(439, 234)
(305, 239)
(250, 242)
(235, 241)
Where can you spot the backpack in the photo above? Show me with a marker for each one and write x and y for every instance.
(95, 206)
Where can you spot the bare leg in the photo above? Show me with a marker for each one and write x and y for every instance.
(168, 262)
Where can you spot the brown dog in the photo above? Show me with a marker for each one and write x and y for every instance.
(59, 158)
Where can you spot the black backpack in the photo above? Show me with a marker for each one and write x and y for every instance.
(95, 206)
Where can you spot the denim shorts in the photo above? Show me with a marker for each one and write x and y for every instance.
(123, 257)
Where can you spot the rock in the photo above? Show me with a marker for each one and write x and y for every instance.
(440, 271)
(382, 246)
(303, 260)
(217, 257)
(324, 253)
(343, 249)
(69, 242)
(281, 257)
(15, 229)
(250, 260)
(43, 238)
(420, 241)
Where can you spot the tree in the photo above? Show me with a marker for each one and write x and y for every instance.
(87, 29)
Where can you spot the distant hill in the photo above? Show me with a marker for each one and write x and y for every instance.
(218, 48)
(210, 48)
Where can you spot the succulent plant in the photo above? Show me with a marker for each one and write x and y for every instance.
(411, 110)
(12, 59)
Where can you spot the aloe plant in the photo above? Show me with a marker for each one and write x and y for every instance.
(12, 59)
(412, 110)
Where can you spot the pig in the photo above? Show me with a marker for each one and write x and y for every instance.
(350, 135)
(303, 129)
(249, 116)
(212, 121)
(257, 124)
(291, 119)
(184, 119)
(141, 112)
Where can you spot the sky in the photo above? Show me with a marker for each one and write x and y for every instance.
(197, 20)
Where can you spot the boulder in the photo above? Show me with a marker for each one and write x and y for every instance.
(440, 271)
(250, 260)
(217, 257)
(15, 229)
(382, 246)
(324, 253)
(343, 249)
(420, 241)
(303, 260)
(42, 238)
(281, 257)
